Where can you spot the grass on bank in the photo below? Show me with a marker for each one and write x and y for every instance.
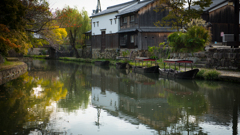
(37, 56)
(9, 64)
(208, 74)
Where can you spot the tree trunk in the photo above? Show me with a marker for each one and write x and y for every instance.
(72, 42)
(76, 52)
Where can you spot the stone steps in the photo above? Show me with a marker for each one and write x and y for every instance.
(200, 65)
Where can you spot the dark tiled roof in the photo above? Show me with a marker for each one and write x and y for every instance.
(156, 29)
(114, 8)
(214, 3)
(88, 31)
(135, 7)
(127, 30)
(149, 29)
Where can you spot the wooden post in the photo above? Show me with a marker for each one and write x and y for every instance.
(175, 65)
(185, 66)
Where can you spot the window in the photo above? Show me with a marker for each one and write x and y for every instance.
(132, 18)
(125, 20)
(111, 21)
(97, 23)
(115, 19)
(93, 24)
(132, 38)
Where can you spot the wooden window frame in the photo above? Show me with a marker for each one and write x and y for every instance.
(132, 18)
(132, 38)
(124, 19)
(110, 21)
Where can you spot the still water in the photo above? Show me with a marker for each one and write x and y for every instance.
(59, 98)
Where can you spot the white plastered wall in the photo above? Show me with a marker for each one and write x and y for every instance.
(105, 24)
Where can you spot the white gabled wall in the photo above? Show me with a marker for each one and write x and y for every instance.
(104, 23)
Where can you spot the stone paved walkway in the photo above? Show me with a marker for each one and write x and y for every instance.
(229, 73)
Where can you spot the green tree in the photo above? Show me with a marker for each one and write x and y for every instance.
(76, 23)
(180, 12)
(194, 40)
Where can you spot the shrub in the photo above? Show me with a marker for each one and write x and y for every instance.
(193, 40)
(200, 74)
(125, 53)
(211, 75)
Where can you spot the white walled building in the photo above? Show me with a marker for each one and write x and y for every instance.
(107, 20)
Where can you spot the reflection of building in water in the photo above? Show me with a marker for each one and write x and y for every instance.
(108, 100)
(132, 97)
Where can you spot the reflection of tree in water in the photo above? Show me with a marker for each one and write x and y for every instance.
(174, 111)
(24, 104)
(78, 89)
(97, 123)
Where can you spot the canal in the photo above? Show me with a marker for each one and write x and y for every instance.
(64, 98)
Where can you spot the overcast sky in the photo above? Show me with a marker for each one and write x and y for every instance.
(89, 5)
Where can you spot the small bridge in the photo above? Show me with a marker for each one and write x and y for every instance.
(53, 48)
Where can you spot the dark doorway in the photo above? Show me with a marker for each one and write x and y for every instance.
(103, 41)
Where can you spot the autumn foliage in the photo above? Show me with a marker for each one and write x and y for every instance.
(27, 23)
(7, 40)
(76, 24)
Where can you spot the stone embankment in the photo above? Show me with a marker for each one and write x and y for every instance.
(7, 75)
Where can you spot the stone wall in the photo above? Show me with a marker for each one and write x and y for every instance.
(188, 56)
(223, 58)
(114, 53)
(2, 60)
(106, 54)
(12, 73)
(86, 52)
(217, 58)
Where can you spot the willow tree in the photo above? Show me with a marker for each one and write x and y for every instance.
(180, 12)
(76, 24)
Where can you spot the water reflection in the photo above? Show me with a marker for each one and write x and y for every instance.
(26, 103)
(76, 98)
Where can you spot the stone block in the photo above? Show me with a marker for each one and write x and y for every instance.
(215, 55)
(201, 55)
(219, 55)
(237, 56)
(236, 50)
(225, 62)
(231, 55)
(212, 50)
(209, 55)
